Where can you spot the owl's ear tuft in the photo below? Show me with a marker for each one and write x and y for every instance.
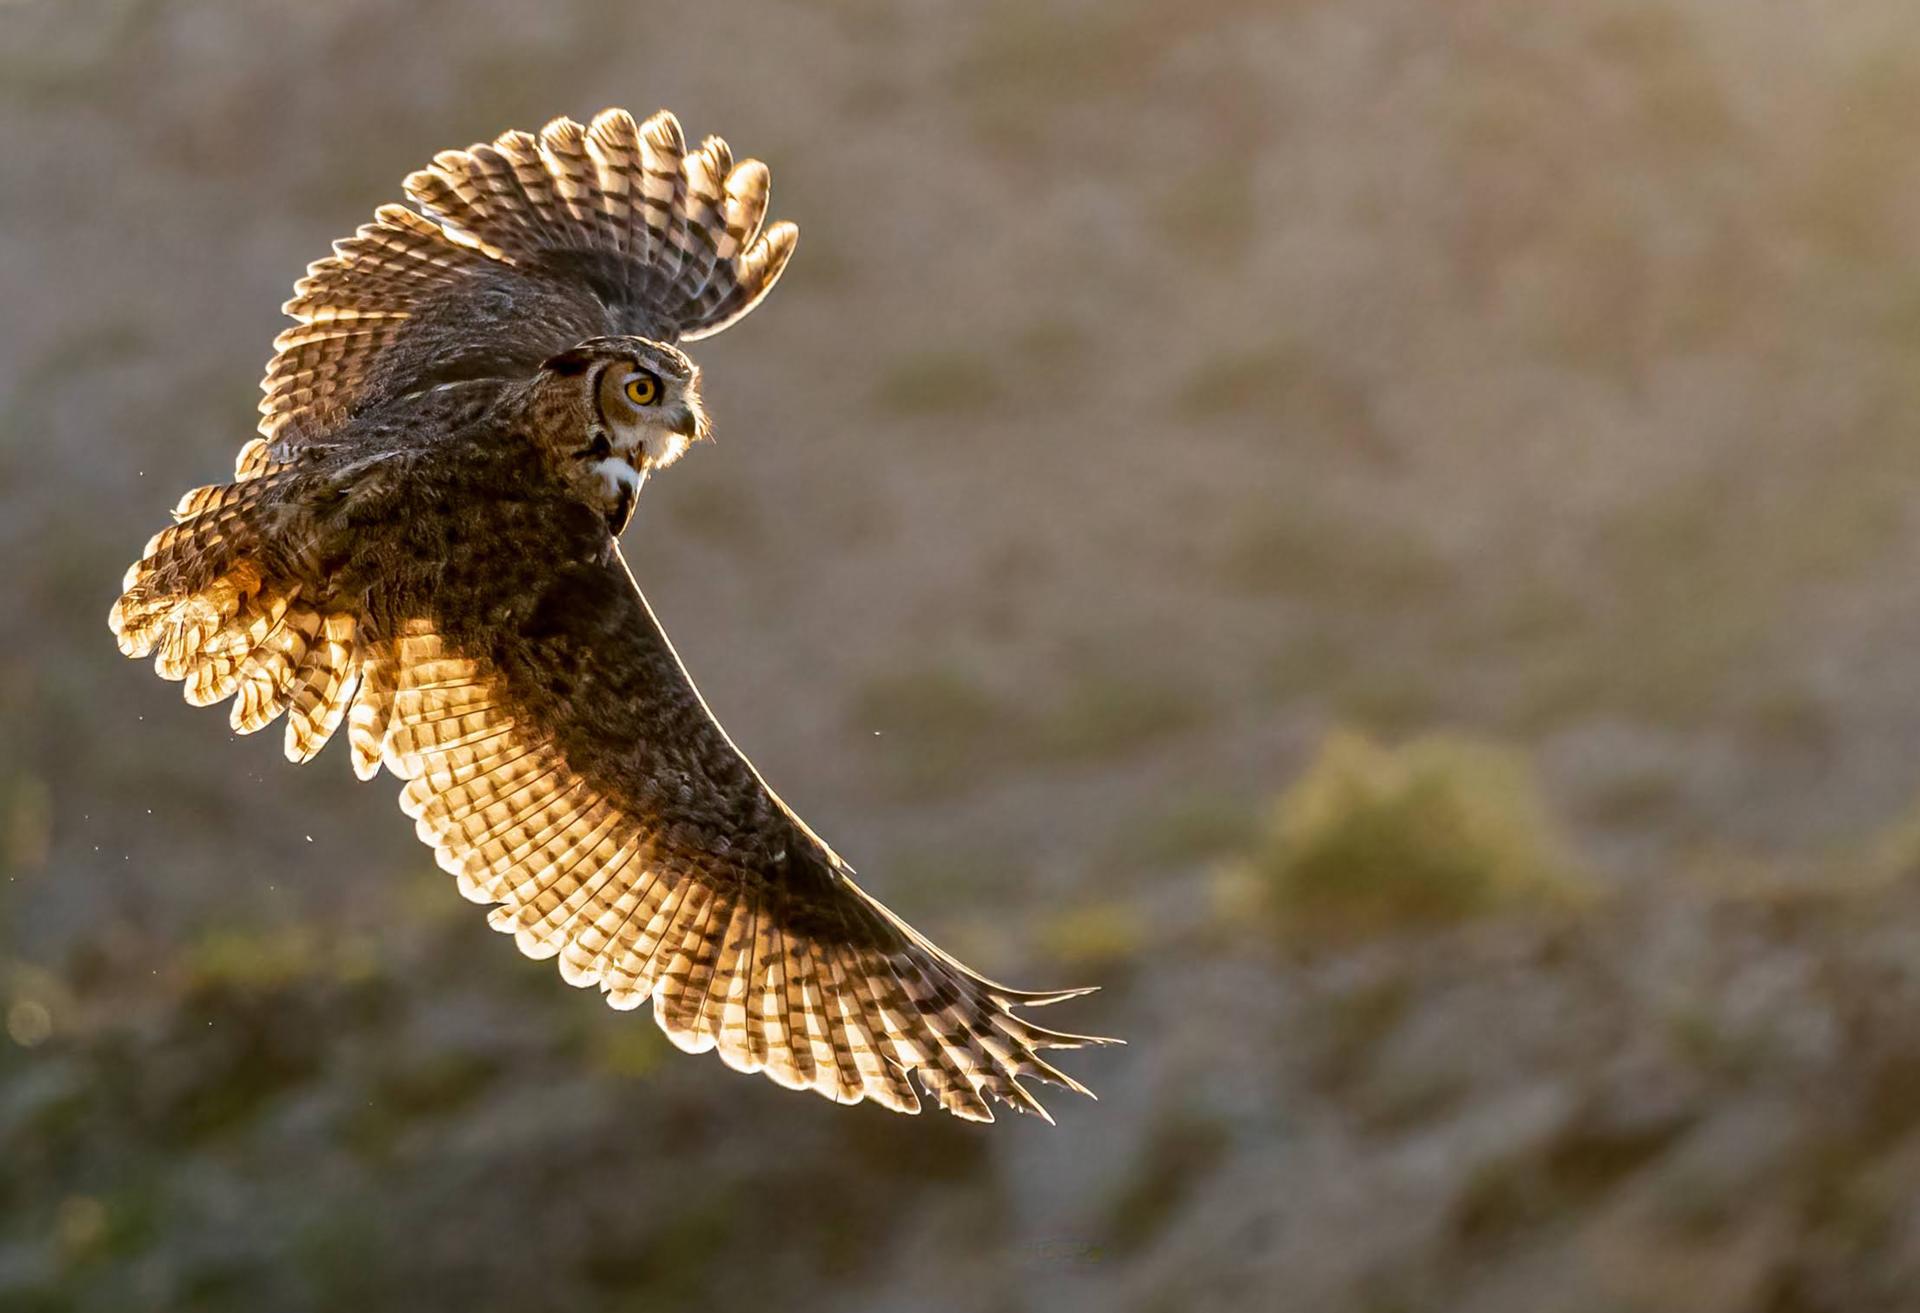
(570, 363)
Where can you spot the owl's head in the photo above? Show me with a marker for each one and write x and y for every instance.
(612, 409)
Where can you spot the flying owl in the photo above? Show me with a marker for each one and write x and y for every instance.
(422, 543)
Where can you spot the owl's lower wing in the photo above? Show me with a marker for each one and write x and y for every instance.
(567, 770)
(526, 246)
(561, 764)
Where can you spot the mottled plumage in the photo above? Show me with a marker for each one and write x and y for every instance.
(420, 546)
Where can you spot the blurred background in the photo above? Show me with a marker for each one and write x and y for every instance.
(1382, 532)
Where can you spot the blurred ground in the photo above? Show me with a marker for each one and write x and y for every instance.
(1380, 531)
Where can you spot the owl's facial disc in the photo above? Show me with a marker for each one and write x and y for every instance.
(638, 402)
(652, 409)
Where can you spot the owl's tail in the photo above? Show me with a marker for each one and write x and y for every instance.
(207, 602)
(671, 234)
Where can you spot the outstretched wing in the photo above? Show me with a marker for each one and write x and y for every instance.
(567, 770)
(528, 245)
(563, 766)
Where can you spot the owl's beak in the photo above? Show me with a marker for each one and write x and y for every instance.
(686, 422)
(622, 513)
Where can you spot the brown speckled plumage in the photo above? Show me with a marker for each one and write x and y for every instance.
(420, 546)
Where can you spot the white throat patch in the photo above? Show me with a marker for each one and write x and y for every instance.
(617, 473)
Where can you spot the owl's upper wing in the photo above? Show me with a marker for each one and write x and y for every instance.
(563, 766)
(528, 245)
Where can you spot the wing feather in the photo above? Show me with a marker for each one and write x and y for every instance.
(323, 687)
(521, 248)
(568, 772)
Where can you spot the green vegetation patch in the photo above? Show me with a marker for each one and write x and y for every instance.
(1439, 830)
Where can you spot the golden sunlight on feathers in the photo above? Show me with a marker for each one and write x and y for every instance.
(407, 550)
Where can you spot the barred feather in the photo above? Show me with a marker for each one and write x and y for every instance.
(818, 986)
(200, 604)
(684, 225)
(776, 979)
(372, 708)
(323, 688)
(174, 591)
(618, 225)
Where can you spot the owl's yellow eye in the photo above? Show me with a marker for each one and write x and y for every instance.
(643, 389)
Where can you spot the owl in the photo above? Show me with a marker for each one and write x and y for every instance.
(422, 545)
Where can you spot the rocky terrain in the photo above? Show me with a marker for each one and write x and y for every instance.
(1379, 531)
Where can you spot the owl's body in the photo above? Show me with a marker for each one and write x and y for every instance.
(421, 546)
